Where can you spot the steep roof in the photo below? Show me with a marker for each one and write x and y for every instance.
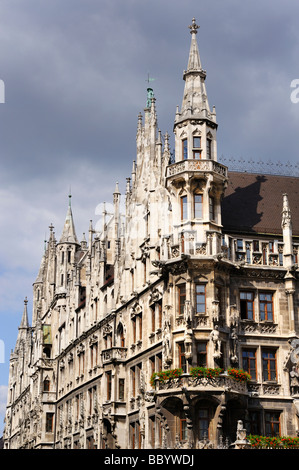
(253, 203)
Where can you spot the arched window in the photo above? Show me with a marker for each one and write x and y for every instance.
(46, 385)
(120, 334)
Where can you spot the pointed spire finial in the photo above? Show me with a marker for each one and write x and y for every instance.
(24, 321)
(193, 27)
(116, 191)
(68, 232)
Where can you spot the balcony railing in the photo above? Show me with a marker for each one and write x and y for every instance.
(114, 354)
(217, 384)
(196, 165)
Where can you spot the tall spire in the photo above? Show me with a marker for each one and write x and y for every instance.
(69, 233)
(24, 321)
(195, 101)
(194, 59)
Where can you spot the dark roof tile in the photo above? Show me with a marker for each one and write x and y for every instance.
(253, 203)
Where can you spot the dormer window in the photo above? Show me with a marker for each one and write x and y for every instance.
(197, 147)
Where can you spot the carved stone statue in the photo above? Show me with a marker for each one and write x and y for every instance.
(216, 342)
(294, 381)
(187, 312)
(234, 343)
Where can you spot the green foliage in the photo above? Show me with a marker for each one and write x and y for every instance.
(236, 374)
(205, 372)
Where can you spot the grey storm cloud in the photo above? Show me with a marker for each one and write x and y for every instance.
(75, 80)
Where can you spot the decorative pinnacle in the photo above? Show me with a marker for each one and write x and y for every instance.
(70, 197)
(194, 27)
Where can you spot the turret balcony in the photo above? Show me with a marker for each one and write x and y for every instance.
(114, 354)
(201, 166)
(194, 384)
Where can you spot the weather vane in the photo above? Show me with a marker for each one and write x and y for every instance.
(194, 27)
(149, 79)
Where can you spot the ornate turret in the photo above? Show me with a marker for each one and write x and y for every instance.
(66, 248)
(196, 179)
(195, 100)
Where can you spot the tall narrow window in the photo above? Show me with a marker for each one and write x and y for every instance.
(133, 381)
(266, 306)
(183, 429)
(90, 400)
(248, 252)
(200, 298)
(201, 349)
(203, 422)
(140, 326)
(184, 212)
(185, 149)
(269, 365)
(272, 423)
(160, 314)
(134, 329)
(49, 422)
(253, 422)
(240, 244)
(256, 245)
(264, 250)
(152, 365)
(153, 315)
(121, 389)
(246, 305)
(182, 298)
(109, 384)
(144, 271)
(182, 357)
(212, 208)
(46, 387)
(209, 149)
(197, 148)
(249, 362)
(159, 362)
(198, 200)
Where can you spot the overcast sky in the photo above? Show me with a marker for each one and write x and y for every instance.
(75, 80)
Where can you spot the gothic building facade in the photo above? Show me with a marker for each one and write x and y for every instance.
(179, 318)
